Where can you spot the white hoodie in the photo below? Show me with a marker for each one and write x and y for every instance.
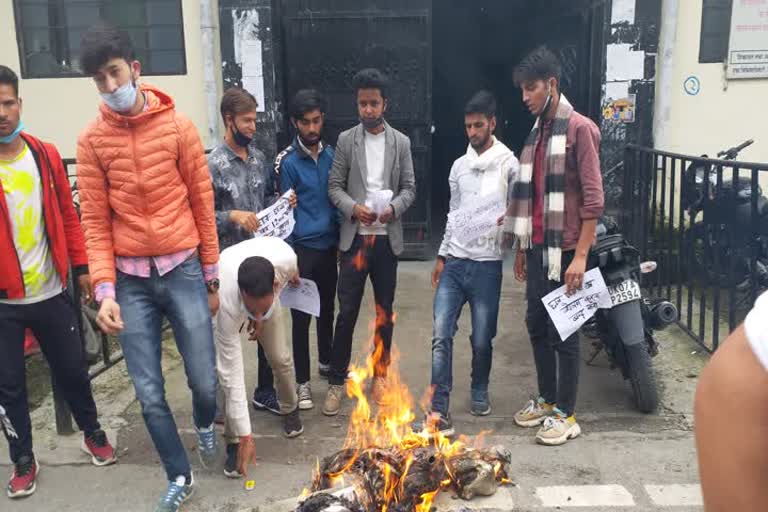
(474, 178)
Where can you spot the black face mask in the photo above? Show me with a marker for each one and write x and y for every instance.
(372, 124)
(240, 139)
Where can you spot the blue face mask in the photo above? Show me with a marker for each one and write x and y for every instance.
(12, 136)
(123, 99)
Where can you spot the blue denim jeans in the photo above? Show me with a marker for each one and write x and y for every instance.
(479, 284)
(179, 295)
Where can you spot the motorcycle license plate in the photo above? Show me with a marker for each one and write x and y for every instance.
(627, 291)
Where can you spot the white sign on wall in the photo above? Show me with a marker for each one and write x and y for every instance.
(748, 45)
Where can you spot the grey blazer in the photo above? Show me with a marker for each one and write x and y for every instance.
(347, 181)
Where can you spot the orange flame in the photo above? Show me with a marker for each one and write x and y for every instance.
(360, 260)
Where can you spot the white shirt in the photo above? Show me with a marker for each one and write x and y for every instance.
(23, 195)
(756, 327)
(475, 178)
(231, 317)
(374, 160)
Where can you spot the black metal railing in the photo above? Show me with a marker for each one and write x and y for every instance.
(705, 222)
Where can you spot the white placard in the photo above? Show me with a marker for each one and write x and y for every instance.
(472, 222)
(569, 312)
(277, 220)
(748, 43)
(304, 297)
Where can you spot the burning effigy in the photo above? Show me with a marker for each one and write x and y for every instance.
(386, 466)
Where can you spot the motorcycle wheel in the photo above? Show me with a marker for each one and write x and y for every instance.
(642, 377)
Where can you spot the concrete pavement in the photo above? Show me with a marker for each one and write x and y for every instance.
(623, 461)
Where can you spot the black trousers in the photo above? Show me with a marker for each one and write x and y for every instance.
(371, 256)
(55, 325)
(321, 267)
(557, 361)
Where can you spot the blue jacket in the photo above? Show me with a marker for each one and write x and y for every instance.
(317, 223)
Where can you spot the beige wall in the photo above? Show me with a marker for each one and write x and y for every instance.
(724, 113)
(57, 109)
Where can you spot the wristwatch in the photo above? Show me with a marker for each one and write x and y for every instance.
(212, 285)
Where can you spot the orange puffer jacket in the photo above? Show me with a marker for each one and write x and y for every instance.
(144, 185)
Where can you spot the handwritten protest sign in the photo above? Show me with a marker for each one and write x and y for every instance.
(303, 297)
(277, 220)
(470, 223)
(569, 311)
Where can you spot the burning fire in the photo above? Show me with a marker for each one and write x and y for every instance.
(392, 467)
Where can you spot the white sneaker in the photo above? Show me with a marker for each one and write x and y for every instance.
(304, 391)
(558, 430)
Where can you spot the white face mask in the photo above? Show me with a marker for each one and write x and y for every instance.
(123, 99)
(260, 318)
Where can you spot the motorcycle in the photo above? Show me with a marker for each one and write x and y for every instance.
(721, 237)
(625, 331)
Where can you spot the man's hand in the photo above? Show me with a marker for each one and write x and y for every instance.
(246, 454)
(574, 276)
(364, 214)
(437, 271)
(213, 302)
(500, 221)
(246, 220)
(254, 329)
(388, 215)
(293, 200)
(108, 318)
(295, 281)
(86, 290)
(521, 272)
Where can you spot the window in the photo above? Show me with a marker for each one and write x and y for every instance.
(49, 32)
(715, 30)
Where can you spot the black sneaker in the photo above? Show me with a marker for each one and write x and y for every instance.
(230, 465)
(266, 400)
(435, 423)
(292, 426)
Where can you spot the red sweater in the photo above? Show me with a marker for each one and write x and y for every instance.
(62, 226)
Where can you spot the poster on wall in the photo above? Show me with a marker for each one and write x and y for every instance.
(748, 44)
(621, 110)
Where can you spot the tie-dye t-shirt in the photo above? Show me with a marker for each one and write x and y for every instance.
(21, 185)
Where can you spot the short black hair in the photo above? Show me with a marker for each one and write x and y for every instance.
(9, 77)
(371, 78)
(307, 100)
(482, 102)
(256, 276)
(540, 64)
(101, 43)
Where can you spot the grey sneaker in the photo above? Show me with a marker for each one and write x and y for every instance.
(332, 403)
(178, 492)
(304, 391)
(206, 445)
(292, 426)
(435, 423)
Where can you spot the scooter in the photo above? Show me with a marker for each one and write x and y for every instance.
(625, 331)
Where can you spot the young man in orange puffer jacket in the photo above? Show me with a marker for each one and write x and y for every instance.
(150, 229)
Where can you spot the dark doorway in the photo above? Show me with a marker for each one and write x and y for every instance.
(476, 46)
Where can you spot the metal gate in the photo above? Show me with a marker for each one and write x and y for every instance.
(325, 42)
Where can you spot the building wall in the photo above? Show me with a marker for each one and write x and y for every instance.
(57, 109)
(723, 114)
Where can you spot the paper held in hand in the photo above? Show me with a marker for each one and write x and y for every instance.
(377, 202)
(472, 222)
(570, 312)
(277, 220)
(303, 297)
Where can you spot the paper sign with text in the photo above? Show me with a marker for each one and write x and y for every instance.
(570, 311)
(277, 220)
(470, 223)
(303, 297)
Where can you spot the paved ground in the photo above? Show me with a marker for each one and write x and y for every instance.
(624, 460)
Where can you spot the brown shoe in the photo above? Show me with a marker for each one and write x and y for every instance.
(379, 390)
(333, 400)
